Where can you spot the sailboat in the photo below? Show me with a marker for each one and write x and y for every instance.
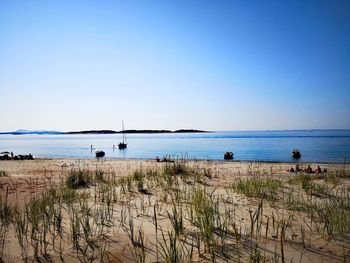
(123, 145)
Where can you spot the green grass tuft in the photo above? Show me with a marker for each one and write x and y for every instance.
(79, 179)
(258, 187)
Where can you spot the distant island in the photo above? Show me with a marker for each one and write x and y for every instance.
(24, 132)
(134, 131)
(91, 132)
(43, 132)
(145, 131)
(187, 131)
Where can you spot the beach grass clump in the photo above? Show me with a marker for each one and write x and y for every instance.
(139, 244)
(332, 178)
(106, 193)
(330, 214)
(343, 172)
(67, 195)
(171, 249)
(207, 172)
(294, 202)
(99, 176)
(40, 213)
(6, 212)
(21, 225)
(258, 187)
(6, 217)
(166, 180)
(138, 177)
(305, 181)
(203, 215)
(336, 220)
(333, 213)
(126, 183)
(308, 184)
(185, 171)
(301, 179)
(318, 188)
(79, 179)
(178, 167)
(176, 219)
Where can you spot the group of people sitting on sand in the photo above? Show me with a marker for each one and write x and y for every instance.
(308, 169)
(11, 156)
(164, 160)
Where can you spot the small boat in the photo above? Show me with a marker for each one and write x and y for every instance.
(228, 156)
(123, 144)
(99, 154)
(296, 154)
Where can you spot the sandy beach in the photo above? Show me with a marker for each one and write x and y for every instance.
(44, 171)
(260, 211)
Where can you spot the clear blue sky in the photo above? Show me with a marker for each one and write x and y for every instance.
(214, 65)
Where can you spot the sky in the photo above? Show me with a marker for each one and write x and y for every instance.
(211, 65)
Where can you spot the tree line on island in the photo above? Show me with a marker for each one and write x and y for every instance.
(133, 131)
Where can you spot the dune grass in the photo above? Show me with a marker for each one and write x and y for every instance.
(186, 215)
(258, 187)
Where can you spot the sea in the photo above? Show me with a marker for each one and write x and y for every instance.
(325, 146)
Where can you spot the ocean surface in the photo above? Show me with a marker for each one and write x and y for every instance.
(331, 146)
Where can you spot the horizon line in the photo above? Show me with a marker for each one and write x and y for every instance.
(245, 130)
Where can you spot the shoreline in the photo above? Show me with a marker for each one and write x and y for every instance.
(123, 167)
(301, 162)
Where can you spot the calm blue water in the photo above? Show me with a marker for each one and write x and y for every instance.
(315, 146)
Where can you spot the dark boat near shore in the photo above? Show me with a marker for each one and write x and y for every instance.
(228, 156)
(296, 154)
(99, 154)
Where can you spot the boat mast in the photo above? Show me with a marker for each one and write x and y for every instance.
(124, 136)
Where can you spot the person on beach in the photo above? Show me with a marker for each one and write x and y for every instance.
(309, 169)
(318, 170)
